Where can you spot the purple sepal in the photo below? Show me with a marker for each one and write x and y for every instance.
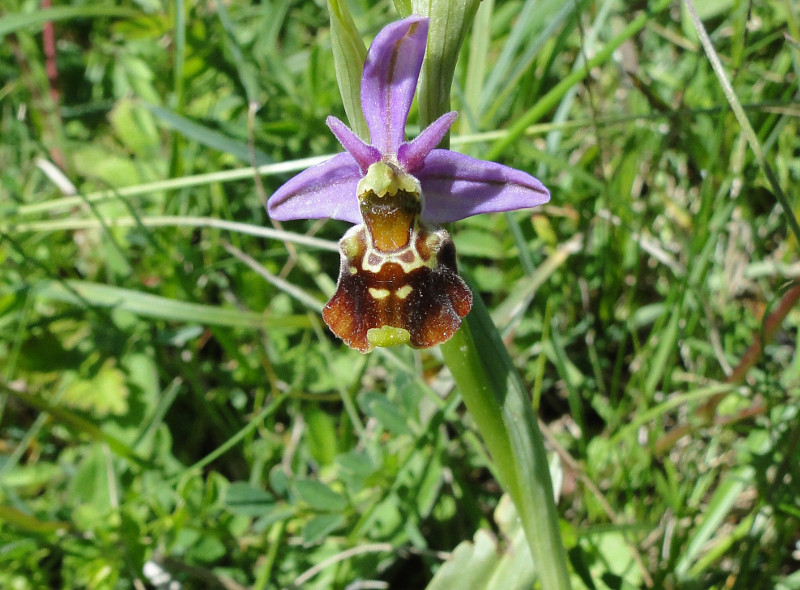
(365, 155)
(412, 155)
(456, 186)
(390, 78)
(325, 190)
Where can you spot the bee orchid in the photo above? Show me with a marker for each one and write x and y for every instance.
(398, 281)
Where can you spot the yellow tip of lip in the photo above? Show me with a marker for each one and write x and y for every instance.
(388, 336)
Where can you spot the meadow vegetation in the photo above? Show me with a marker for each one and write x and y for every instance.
(170, 399)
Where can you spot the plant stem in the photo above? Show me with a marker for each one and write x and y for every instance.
(498, 402)
(486, 378)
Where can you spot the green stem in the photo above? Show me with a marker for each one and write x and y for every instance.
(498, 402)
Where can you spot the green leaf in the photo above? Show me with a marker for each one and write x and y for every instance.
(386, 412)
(357, 463)
(449, 22)
(29, 523)
(208, 549)
(473, 242)
(403, 7)
(246, 500)
(134, 125)
(485, 564)
(95, 161)
(523, 292)
(617, 560)
(75, 421)
(319, 496)
(349, 54)
(667, 340)
(32, 477)
(155, 306)
(278, 481)
(718, 509)
(245, 68)
(102, 393)
(790, 582)
(321, 436)
(321, 526)
(134, 76)
(208, 137)
(90, 485)
(14, 22)
(476, 68)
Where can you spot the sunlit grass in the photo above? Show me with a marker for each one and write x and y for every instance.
(169, 394)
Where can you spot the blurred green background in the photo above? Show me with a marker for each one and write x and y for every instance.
(172, 404)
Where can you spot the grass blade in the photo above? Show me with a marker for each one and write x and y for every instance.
(741, 116)
(11, 23)
(162, 308)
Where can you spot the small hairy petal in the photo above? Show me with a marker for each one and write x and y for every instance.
(325, 190)
(456, 186)
(364, 155)
(412, 155)
(390, 79)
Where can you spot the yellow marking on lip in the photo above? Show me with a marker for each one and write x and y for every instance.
(378, 293)
(404, 291)
(352, 270)
(353, 242)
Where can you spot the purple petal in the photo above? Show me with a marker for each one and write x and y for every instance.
(412, 155)
(390, 79)
(456, 186)
(324, 190)
(364, 155)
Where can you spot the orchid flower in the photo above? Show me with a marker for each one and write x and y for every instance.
(398, 281)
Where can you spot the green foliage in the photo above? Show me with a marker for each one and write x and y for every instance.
(166, 402)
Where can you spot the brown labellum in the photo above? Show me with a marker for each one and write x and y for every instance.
(398, 281)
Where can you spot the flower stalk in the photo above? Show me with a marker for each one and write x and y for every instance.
(497, 400)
